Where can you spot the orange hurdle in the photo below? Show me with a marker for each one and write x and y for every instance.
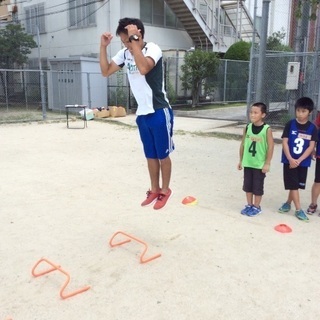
(56, 267)
(136, 239)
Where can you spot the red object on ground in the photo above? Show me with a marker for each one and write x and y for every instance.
(189, 200)
(283, 228)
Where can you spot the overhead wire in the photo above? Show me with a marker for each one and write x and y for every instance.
(63, 10)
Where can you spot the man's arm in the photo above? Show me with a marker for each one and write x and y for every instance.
(144, 64)
(107, 68)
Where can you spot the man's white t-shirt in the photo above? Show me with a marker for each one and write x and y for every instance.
(148, 89)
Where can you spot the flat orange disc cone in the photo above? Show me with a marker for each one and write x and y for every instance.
(189, 200)
(283, 228)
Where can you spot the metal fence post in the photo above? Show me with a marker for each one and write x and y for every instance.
(225, 80)
(6, 89)
(89, 90)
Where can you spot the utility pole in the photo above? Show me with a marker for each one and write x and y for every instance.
(300, 46)
(252, 52)
(42, 86)
(261, 93)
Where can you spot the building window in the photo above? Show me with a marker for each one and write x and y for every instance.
(158, 13)
(82, 13)
(35, 19)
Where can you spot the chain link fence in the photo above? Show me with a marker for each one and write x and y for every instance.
(287, 77)
(20, 95)
(34, 95)
(24, 97)
(229, 83)
(289, 67)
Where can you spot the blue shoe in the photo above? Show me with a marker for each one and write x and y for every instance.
(286, 207)
(246, 209)
(254, 211)
(301, 215)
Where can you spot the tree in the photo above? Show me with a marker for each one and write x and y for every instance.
(314, 6)
(239, 51)
(198, 67)
(15, 45)
(274, 42)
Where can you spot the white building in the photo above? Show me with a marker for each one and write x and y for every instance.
(68, 31)
(73, 28)
(279, 15)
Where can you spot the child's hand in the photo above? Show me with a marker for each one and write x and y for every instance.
(239, 166)
(266, 168)
(293, 163)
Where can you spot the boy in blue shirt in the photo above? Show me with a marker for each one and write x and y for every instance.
(298, 142)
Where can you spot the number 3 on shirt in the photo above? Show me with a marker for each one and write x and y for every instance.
(299, 146)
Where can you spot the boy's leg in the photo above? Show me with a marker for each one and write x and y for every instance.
(291, 183)
(258, 186)
(152, 161)
(315, 191)
(294, 196)
(257, 201)
(300, 214)
(295, 179)
(257, 190)
(165, 167)
(290, 198)
(247, 188)
(161, 125)
(249, 196)
(165, 192)
(154, 171)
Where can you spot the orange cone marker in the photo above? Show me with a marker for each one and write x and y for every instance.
(189, 201)
(283, 228)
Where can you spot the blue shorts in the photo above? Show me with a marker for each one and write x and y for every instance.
(156, 133)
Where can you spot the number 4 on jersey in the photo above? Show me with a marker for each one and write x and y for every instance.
(252, 148)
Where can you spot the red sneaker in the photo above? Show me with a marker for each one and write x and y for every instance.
(151, 197)
(162, 200)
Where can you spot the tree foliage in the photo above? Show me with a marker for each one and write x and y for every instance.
(274, 42)
(314, 6)
(198, 67)
(15, 45)
(239, 51)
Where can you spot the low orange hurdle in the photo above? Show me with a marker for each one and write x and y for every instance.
(142, 260)
(56, 267)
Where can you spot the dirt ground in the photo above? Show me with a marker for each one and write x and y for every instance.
(65, 193)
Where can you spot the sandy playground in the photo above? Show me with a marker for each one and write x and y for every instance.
(66, 192)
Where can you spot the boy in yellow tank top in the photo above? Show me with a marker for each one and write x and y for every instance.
(256, 150)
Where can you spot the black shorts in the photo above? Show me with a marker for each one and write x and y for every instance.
(317, 171)
(253, 181)
(294, 178)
